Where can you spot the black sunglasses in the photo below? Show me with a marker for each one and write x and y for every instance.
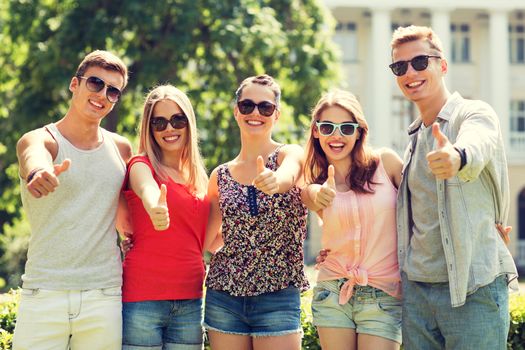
(265, 108)
(95, 84)
(419, 63)
(328, 128)
(177, 121)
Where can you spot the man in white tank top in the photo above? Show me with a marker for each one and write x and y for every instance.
(71, 172)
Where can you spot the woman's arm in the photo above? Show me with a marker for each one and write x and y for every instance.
(213, 240)
(154, 199)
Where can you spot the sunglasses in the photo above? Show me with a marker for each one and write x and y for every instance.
(177, 121)
(328, 128)
(265, 108)
(419, 63)
(95, 84)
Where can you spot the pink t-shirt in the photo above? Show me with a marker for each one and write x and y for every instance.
(165, 265)
(360, 231)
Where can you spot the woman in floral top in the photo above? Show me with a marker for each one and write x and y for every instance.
(254, 281)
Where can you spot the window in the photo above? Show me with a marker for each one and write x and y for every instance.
(517, 43)
(517, 125)
(521, 215)
(346, 38)
(404, 113)
(460, 36)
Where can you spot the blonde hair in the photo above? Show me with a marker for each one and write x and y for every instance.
(191, 157)
(404, 35)
(105, 60)
(364, 162)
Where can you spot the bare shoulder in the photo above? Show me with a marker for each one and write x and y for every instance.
(290, 150)
(123, 145)
(37, 137)
(392, 163)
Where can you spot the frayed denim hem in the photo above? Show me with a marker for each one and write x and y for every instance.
(256, 335)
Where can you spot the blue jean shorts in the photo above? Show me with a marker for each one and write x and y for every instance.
(162, 324)
(269, 314)
(369, 310)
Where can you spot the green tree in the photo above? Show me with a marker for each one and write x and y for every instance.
(204, 47)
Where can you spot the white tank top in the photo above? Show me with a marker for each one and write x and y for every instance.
(73, 242)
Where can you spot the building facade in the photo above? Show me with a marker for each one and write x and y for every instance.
(484, 41)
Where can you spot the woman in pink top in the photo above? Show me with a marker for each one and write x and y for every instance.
(165, 188)
(356, 303)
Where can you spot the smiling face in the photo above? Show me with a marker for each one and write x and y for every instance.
(254, 123)
(337, 147)
(94, 106)
(170, 140)
(420, 86)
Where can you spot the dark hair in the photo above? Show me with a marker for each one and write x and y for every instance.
(264, 80)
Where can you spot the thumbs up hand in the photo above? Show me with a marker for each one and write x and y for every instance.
(326, 194)
(159, 213)
(266, 180)
(43, 181)
(444, 162)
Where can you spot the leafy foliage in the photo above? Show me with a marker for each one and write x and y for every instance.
(516, 339)
(204, 47)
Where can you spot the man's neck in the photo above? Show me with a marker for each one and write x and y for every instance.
(430, 107)
(80, 132)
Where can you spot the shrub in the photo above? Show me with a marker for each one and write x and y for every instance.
(516, 339)
(8, 306)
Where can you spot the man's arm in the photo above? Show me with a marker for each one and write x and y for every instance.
(36, 151)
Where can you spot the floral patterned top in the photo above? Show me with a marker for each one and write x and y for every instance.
(263, 248)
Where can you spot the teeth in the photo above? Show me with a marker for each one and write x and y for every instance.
(254, 122)
(336, 144)
(96, 104)
(171, 138)
(415, 84)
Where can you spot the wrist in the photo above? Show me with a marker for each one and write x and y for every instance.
(32, 174)
(463, 156)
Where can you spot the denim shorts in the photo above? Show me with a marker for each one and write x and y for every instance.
(162, 324)
(369, 310)
(432, 323)
(269, 314)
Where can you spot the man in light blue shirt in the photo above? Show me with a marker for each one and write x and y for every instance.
(455, 267)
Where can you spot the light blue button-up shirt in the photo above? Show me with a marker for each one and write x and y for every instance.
(469, 204)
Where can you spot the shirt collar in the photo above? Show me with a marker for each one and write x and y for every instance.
(445, 113)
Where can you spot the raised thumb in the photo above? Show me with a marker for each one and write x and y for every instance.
(260, 164)
(162, 197)
(60, 168)
(441, 139)
(330, 181)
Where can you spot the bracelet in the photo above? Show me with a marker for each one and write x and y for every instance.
(463, 156)
(32, 174)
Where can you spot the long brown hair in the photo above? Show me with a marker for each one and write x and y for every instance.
(364, 162)
(191, 158)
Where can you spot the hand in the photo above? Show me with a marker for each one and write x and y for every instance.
(326, 194)
(159, 214)
(125, 245)
(444, 162)
(323, 253)
(266, 180)
(45, 181)
(504, 232)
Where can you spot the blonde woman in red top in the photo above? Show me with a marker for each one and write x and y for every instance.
(165, 188)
